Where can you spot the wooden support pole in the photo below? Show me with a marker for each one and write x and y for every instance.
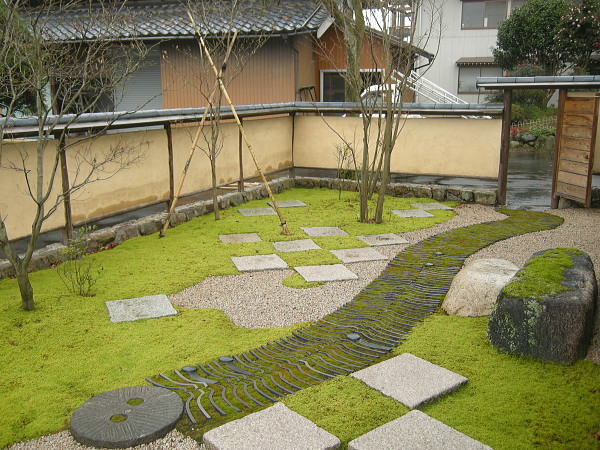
(171, 169)
(66, 189)
(196, 138)
(241, 128)
(562, 98)
(241, 162)
(504, 147)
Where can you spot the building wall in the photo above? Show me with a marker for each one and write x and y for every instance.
(454, 43)
(266, 75)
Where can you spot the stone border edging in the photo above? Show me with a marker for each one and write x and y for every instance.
(117, 234)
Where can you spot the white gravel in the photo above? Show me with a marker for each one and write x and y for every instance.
(257, 300)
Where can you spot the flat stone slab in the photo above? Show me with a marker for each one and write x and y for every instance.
(132, 309)
(410, 380)
(428, 206)
(288, 204)
(241, 238)
(350, 255)
(251, 212)
(274, 427)
(330, 272)
(298, 245)
(415, 430)
(324, 231)
(408, 213)
(147, 413)
(258, 262)
(382, 239)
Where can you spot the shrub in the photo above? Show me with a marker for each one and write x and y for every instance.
(77, 273)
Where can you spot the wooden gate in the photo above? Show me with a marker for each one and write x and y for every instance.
(575, 144)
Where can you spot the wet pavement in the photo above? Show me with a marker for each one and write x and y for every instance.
(529, 187)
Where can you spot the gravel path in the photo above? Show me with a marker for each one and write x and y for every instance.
(257, 300)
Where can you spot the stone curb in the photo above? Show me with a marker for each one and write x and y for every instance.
(115, 235)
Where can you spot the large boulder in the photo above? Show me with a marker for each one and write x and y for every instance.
(555, 327)
(476, 287)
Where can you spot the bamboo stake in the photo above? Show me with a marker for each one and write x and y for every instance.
(196, 138)
(243, 133)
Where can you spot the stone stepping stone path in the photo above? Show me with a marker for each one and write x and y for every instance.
(258, 262)
(428, 206)
(253, 212)
(415, 430)
(132, 309)
(408, 213)
(382, 239)
(298, 245)
(351, 255)
(240, 238)
(288, 204)
(276, 427)
(330, 272)
(410, 380)
(324, 231)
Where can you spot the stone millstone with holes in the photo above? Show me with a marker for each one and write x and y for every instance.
(126, 417)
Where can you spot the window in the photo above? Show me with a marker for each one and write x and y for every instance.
(333, 86)
(467, 77)
(482, 14)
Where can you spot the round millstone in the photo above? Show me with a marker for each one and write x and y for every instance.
(353, 336)
(113, 420)
(188, 369)
(438, 253)
(428, 264)
(226, 359)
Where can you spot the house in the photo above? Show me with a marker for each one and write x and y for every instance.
(286, 50)
(470, 28)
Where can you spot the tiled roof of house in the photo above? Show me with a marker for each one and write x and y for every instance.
(168, 19)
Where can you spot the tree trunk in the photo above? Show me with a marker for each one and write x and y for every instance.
(213, 169)
(26, 289)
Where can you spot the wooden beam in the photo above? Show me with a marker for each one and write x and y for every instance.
(504, 147)
(562, 97)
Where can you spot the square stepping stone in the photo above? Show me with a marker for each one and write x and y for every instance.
(324, 231)
(288, 204)
(428, 206)
(258, 262)
(240, 238)
(415, 430)
(382, 239)
(350, 255)
(298, 245)
(410, 380)
(251, 212)
(274, 427)
(408, 213)
(331, 272)
(132, 309)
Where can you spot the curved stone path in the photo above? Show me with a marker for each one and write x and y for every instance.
(378, 319)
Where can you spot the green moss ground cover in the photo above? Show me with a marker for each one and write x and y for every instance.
(55, 358)
(66, 351)
(542, 275)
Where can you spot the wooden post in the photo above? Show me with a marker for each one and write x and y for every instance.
(504, 147)
(66, 187)
(241, 162)
(171, 169)
(562, 97)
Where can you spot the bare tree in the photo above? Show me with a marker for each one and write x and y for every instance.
(57, 79)
(218, 22)
(382, 32)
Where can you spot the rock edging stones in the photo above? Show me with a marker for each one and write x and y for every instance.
(557, 327)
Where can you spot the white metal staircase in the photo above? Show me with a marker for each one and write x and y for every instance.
(427, 89)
